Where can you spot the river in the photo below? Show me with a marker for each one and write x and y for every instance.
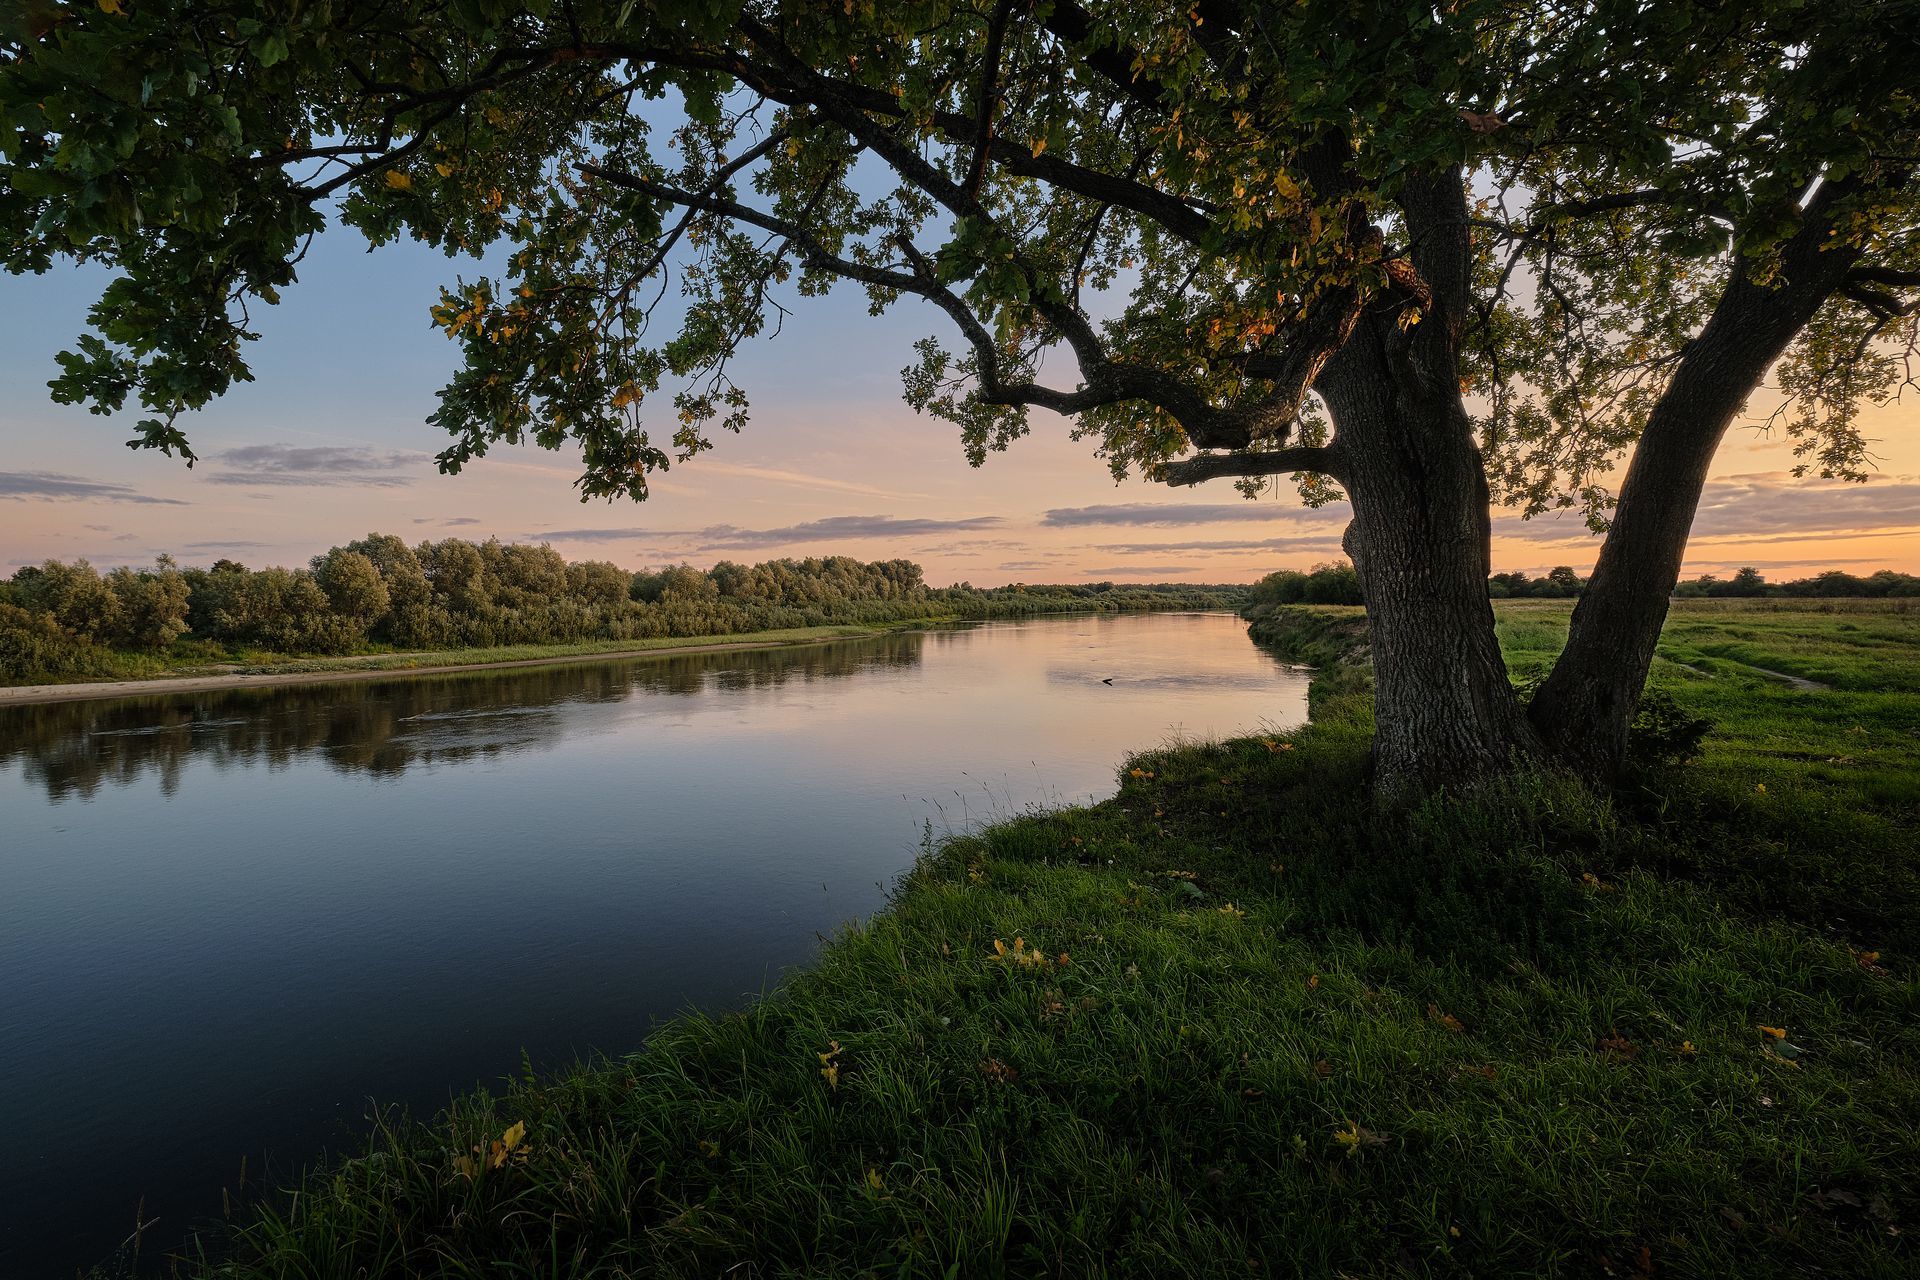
(229, 919)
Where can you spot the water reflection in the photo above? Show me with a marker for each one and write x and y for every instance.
(74, 749)
(227, 919)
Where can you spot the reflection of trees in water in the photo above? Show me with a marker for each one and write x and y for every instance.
(384, 727)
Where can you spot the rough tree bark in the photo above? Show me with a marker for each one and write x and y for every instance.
(1583, 709)
(1445, 711)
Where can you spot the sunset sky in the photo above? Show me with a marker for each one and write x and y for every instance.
(331, 442)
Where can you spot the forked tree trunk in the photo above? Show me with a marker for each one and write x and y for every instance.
(1445, 711)
(1585, 707)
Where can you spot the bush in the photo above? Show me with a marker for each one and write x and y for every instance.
(1663, 732)
(150, 607)
(33, 647)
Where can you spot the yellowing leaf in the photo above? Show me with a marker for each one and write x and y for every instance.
(831, 1074)
(112, 7)
(1777, 1033)
(515, 1135)
(399, 181)
(1039, 145)
(1355, 1137)
(874, 1180)
(1446, 1020)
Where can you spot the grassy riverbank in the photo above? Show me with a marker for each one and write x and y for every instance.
(284, 670)
(190, 663)
(1222, 1025)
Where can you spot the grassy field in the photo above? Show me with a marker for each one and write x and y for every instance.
(1224, 1025)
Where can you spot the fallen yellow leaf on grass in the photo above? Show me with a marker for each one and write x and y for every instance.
(1354, 1137)
(1778, 1033)
(1019, 954)
(830, 1064)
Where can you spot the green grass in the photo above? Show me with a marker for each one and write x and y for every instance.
(1518, 1037)
(260, 663)
(201, 658)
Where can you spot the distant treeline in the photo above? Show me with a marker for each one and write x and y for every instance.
(1337, 583)
(1832, 584)
(63, 619)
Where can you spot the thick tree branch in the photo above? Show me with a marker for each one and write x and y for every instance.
(1107, 54)
(1892, 277)
(1881, 303)
(989, 94)
(1270, 462)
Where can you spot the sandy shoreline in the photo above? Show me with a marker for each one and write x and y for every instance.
(32, 694)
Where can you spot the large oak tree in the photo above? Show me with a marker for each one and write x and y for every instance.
(1431, 256)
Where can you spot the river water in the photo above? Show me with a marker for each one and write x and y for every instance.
(228, 920)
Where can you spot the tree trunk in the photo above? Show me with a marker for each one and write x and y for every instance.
(1445, 712)
(1583, 710)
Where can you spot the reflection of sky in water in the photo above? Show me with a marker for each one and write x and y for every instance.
(235, 916)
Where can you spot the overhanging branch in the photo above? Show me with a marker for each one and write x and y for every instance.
(1270, 462)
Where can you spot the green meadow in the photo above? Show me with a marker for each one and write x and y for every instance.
(1228, 1024)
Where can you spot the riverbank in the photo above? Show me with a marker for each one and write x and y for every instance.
(293, 671)
(1223, 1025)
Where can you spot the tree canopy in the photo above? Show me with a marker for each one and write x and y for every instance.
(1428, 256)
(1193, 201)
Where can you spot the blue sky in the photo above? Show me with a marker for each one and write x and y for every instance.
(330, 442)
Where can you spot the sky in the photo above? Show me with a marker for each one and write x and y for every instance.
(331, 442)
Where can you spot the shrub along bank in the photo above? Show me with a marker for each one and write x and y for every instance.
(1225, 1024)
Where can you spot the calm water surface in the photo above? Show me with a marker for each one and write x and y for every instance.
(228, 920)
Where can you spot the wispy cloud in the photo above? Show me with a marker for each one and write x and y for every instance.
(1135, 570)
(1783, 507)
(316, 465)
(235, 545)
(55, 487)
(1185, 513)
(801, 479)
(721, 537)
(449, 523)
(1308, 543)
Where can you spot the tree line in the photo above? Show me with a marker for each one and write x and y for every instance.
(62, 618)
(1337, 583)
(1749, 582)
